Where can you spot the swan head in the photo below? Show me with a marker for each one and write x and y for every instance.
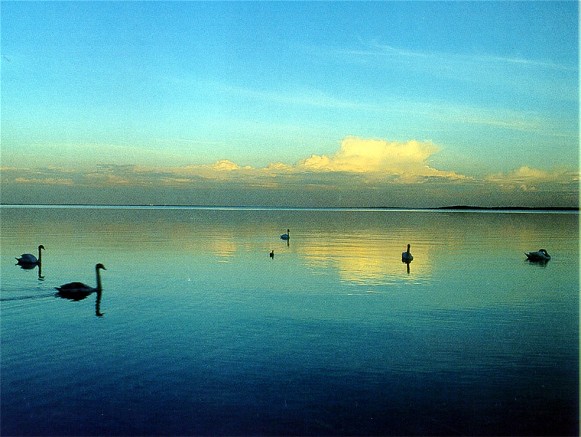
(100, 267)
(41, 247)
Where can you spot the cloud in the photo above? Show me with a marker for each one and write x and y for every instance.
(357, 161)
(44, 181)
(457, 59)
(358, 164)
(362, 171)
(301, 97)
(451, 113)
(400, 162)
(225, 165)
(107, 179)
(532, 179)
(502, 74)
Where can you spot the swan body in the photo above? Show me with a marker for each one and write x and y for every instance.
(540, 256)
(407, 257)
(78, 290)
(285, 236)
(28, 260)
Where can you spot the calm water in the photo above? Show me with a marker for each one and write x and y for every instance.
(203, 333)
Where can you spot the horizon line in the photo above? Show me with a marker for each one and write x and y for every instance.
(303, 208)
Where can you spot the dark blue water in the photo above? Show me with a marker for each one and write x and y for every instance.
(204, 333)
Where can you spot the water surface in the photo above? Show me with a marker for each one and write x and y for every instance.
(204, 333)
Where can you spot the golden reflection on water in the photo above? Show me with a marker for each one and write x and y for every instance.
(366, 259)
(223, 248)
(362, 247)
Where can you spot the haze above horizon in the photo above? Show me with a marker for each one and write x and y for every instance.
(332, 104)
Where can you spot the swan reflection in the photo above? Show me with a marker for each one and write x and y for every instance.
(40, 275)
(99, 295)
(98, 312)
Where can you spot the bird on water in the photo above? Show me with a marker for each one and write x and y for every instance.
(286, 236)
(28, 260)
(540, 256)
(407, 257)
(78, 290)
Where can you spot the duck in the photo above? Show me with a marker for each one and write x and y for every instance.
(407, 257)
(540, 256)
(28, 260)
(286, 236)
(78, 290)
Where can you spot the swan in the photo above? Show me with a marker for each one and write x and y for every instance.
(78, 290)
(272, 254)
(28, 260)
(286, 236)
(407, 257)
(541, 256)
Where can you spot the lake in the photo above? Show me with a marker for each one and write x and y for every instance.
(200, 332)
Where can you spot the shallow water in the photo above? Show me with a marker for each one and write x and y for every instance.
(204, 333)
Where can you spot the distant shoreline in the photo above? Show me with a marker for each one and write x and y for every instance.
(394, 208)
(511, 208)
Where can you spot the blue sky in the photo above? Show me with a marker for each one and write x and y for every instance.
(374, 103)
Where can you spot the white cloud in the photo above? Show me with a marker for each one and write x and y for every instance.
(530, 179)
(379, 169)
(302, 97)
(225, 165)
(357, 160)
(44, 181)
(401, 162)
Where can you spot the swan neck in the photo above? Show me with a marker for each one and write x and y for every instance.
(99, 288)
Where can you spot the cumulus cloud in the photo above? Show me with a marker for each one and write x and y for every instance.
(401, 162)
(378, 170)
(358, 161)
(527, 178)
(107, 179)
(225, 165)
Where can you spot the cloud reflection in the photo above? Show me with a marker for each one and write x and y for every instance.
(365, 258)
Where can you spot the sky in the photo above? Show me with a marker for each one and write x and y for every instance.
(308, 104)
